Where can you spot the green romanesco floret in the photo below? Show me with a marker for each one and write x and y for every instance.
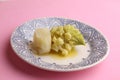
(64, 38)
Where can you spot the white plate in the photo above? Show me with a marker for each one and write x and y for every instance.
(95, 51)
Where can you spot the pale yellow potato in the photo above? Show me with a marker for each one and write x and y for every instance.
(42, 40)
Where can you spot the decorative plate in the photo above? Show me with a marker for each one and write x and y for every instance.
(94, 52)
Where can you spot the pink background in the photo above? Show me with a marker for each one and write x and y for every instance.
(102, 14)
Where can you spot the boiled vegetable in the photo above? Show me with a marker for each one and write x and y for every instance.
(64, 38)
(42, 40)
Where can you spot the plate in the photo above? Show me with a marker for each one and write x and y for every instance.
(94, 52)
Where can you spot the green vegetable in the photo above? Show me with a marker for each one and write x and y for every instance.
(64, 38)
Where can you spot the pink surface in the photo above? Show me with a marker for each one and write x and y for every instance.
(102, 14)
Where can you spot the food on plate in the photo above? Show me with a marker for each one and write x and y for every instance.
(42, 41)
(64, 38)
(60, 39)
